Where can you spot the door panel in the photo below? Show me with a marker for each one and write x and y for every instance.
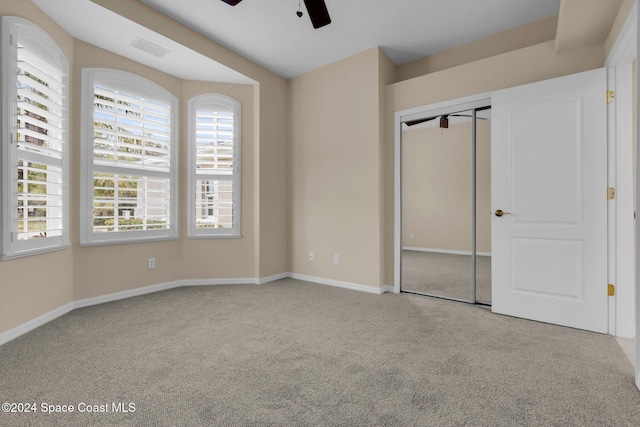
(535, 132)
(549, 160)
(563, 257)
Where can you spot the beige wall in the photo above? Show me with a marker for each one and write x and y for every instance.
(387, 75)
(437, 187)
(335, 170)
(531, 64)
(272, 215)
(517, 38)
(584, 23)
(621, 18)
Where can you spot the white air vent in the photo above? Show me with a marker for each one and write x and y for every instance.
(149, 47)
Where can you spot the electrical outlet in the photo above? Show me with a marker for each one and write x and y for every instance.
(336, 259)
(411, 236)
(151, 263)
(311, 256)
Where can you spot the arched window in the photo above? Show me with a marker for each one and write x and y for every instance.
(214, 166)
(129, 168)
(35, 141)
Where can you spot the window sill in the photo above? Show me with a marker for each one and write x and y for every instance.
(213, 236)
(32, 252)
(127, 241)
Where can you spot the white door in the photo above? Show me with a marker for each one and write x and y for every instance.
(549, 177)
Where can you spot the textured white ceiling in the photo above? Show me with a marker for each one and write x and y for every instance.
(269, 32)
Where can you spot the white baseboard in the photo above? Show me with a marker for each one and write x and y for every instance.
(14, 333)
(273, 278)
(54, 314)
(218, 282)
(444, 251)
(336, 283)
(235, 281)
(125, 294)
(387, 289)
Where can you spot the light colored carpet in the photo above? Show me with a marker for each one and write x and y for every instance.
(293, 353)
(446, 275)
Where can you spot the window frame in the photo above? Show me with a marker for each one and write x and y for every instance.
(147, 89)
(228, 104)
(14, 28)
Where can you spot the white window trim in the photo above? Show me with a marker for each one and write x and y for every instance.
(226, 103)
(12, 27)
(87, 237)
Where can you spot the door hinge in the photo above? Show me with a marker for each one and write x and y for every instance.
(611, 290)
(610, 96)
(611, 193)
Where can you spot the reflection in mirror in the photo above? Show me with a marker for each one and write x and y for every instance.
(437, 207)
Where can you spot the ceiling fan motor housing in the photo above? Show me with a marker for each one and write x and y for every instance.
(317, 10)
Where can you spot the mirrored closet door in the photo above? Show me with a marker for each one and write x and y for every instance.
(446, 235)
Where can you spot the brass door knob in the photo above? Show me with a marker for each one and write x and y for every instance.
(500, 212)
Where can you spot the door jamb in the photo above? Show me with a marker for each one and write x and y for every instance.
(620, 120)
(621, 260)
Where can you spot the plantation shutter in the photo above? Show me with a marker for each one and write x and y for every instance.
(214, 143)
(216, 156)
(131, 170)
(38, 143)
(131, 132)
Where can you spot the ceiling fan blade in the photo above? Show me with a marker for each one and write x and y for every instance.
(467, 115)
(318, 13)
(444, 121)
(232, 2)
(418, 121)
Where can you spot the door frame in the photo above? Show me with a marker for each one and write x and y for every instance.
(625, 265)
(619, 63)
(437, 109)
